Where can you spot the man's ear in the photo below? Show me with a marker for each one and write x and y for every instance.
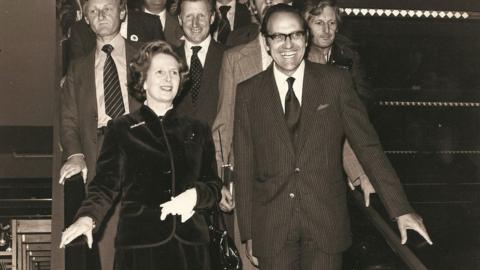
(123, 14)
(86, 19)
(180, 20)
(212, 18)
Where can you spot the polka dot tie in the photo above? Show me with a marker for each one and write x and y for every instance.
(196, 71)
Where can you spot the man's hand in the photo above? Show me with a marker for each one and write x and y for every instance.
(249, 251)
(412, 221)
(366, 187)
(83, 225)
(226, 203)
(74, 165)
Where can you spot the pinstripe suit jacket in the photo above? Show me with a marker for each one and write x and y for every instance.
(272, 175)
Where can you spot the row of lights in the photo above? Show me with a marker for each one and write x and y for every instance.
(450, 152)
(405, 13)
(429, 104)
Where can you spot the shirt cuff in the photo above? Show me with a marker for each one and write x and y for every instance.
(76, 155)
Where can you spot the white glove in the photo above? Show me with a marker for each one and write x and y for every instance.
(181, 205)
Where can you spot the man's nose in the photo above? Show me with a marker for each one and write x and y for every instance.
(288, 42)
(325, 28)
(101, 14)
(195, 21)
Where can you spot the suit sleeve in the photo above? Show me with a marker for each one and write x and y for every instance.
(209, 185)
(366, 144)
(351, 165)
(69, 122)
(106, 185)
(222, 128)
(244, 164)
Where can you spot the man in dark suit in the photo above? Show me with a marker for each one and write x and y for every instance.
(290, 124)
(204, 57)
(230, 15)
(136, 27)
(169, 23)
(95, 91)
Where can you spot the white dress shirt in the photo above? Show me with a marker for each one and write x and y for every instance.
(162, 15)
(202, 54)
(119, 57)
(282, 84)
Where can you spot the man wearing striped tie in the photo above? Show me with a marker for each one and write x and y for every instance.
(94, 93)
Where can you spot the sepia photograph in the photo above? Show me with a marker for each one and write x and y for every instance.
(240, 135)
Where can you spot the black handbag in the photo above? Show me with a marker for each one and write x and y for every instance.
(223, 252)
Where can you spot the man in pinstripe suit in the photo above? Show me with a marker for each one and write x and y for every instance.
(290, 124)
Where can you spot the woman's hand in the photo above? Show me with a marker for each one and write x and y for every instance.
(182, 205)
(83, 225)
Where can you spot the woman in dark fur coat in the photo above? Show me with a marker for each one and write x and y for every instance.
(161, 166)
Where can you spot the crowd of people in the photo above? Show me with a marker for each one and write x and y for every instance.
(170, 108)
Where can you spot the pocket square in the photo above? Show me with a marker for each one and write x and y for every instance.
(322, 106)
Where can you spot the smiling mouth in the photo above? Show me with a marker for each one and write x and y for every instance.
(166, 88)
(288, 55)
(196, 30)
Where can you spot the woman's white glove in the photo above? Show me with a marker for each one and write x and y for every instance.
(182, 205)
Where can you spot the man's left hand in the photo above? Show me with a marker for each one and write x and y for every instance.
(412, 221)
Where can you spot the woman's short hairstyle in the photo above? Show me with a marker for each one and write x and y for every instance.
(141, 63)
(315, 8)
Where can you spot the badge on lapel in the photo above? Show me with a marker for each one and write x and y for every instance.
(134, 38)
(136, 125)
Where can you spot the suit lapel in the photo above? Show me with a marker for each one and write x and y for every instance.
(209, 69)
(242, 16)
(251, 62)
(88, 87)
(270, 92)
(312, 97)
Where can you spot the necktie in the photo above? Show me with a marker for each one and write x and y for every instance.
(196, 71)
(114, 106)
(223, 25)
(292, 109)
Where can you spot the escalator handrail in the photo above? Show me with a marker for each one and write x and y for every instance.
(407, 256)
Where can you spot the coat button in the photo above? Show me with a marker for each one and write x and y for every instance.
(297, 170)
(291, 195)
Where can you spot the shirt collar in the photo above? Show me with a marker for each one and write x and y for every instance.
(117, 43)
(231, 4)
(298, 74)
(204, 44)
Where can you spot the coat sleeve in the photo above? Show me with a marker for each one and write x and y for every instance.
(244, 164)
(209, 185)
(106, 185)
(222, 128)
(366, 144)
(69, 122)
(351, 165)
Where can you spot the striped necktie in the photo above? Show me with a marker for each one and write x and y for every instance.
(114, 106)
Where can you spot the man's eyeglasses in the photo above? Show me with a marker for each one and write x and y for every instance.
(278, 37)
